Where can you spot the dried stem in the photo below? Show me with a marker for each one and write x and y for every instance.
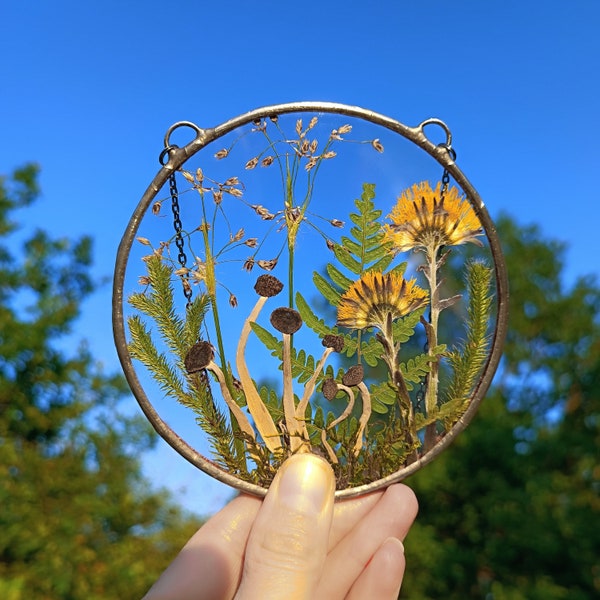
(296, 429)
(364, 417)
(262, 418)
(236, 411)
(309, 388)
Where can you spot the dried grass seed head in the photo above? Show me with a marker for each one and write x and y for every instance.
(267, 265)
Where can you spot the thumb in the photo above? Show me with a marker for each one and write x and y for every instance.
(287, 546)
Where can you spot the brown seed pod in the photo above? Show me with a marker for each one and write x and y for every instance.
(329, 389)
(268, 286)
(353, 376)
(286, 320)
(335, 342)
(198, 356)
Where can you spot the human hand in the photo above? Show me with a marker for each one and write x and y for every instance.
(296, 543)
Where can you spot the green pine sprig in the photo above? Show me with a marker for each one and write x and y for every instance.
(178, 334)
(467, 360)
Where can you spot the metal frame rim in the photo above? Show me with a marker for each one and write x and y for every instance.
(178, 156)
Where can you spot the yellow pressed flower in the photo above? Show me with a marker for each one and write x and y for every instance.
(376, 299)
(420, 219)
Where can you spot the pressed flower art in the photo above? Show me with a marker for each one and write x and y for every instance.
(290, 302)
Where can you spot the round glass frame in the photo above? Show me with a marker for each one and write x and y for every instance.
(173, 158)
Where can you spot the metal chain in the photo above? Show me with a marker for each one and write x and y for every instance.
(446, 175)
(181, 256)
(178, 226)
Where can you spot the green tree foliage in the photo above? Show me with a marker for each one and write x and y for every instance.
(77, 518)
(511, 511)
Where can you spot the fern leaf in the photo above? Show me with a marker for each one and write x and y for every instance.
(327, 290)
(338, 277)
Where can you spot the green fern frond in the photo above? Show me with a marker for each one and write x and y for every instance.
(311, 320)
(415, 369)
(330, 294)
(338, 278)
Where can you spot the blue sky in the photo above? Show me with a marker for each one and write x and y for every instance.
(89, 89)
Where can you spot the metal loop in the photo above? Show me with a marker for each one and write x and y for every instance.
(449, 149)
(441, 124)
(165, 153)
(198, 130)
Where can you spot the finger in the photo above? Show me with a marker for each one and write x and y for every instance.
(383, 575)
(347, 513)
(288, 542)
(391, 516)
(209, 565)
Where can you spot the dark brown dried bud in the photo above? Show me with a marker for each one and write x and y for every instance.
(198, 357)
(286, 320)
(335, 342)
(330, 244)
(267, 286)
(353, 376)
(248, 264)
(156, 207)
(329, 389)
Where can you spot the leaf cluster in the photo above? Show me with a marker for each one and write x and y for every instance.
(178, 335)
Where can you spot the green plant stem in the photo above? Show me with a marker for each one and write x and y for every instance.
(432, 330)
(211, 289)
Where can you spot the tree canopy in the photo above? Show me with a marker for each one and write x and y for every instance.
(511, 510)
(78, 519)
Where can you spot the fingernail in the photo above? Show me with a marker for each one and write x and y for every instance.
(306, 483)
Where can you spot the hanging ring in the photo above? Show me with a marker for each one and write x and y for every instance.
(165, 154)
(200, 133)
(440, 123)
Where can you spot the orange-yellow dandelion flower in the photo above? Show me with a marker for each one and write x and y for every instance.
(376, 299)
(421, 219)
